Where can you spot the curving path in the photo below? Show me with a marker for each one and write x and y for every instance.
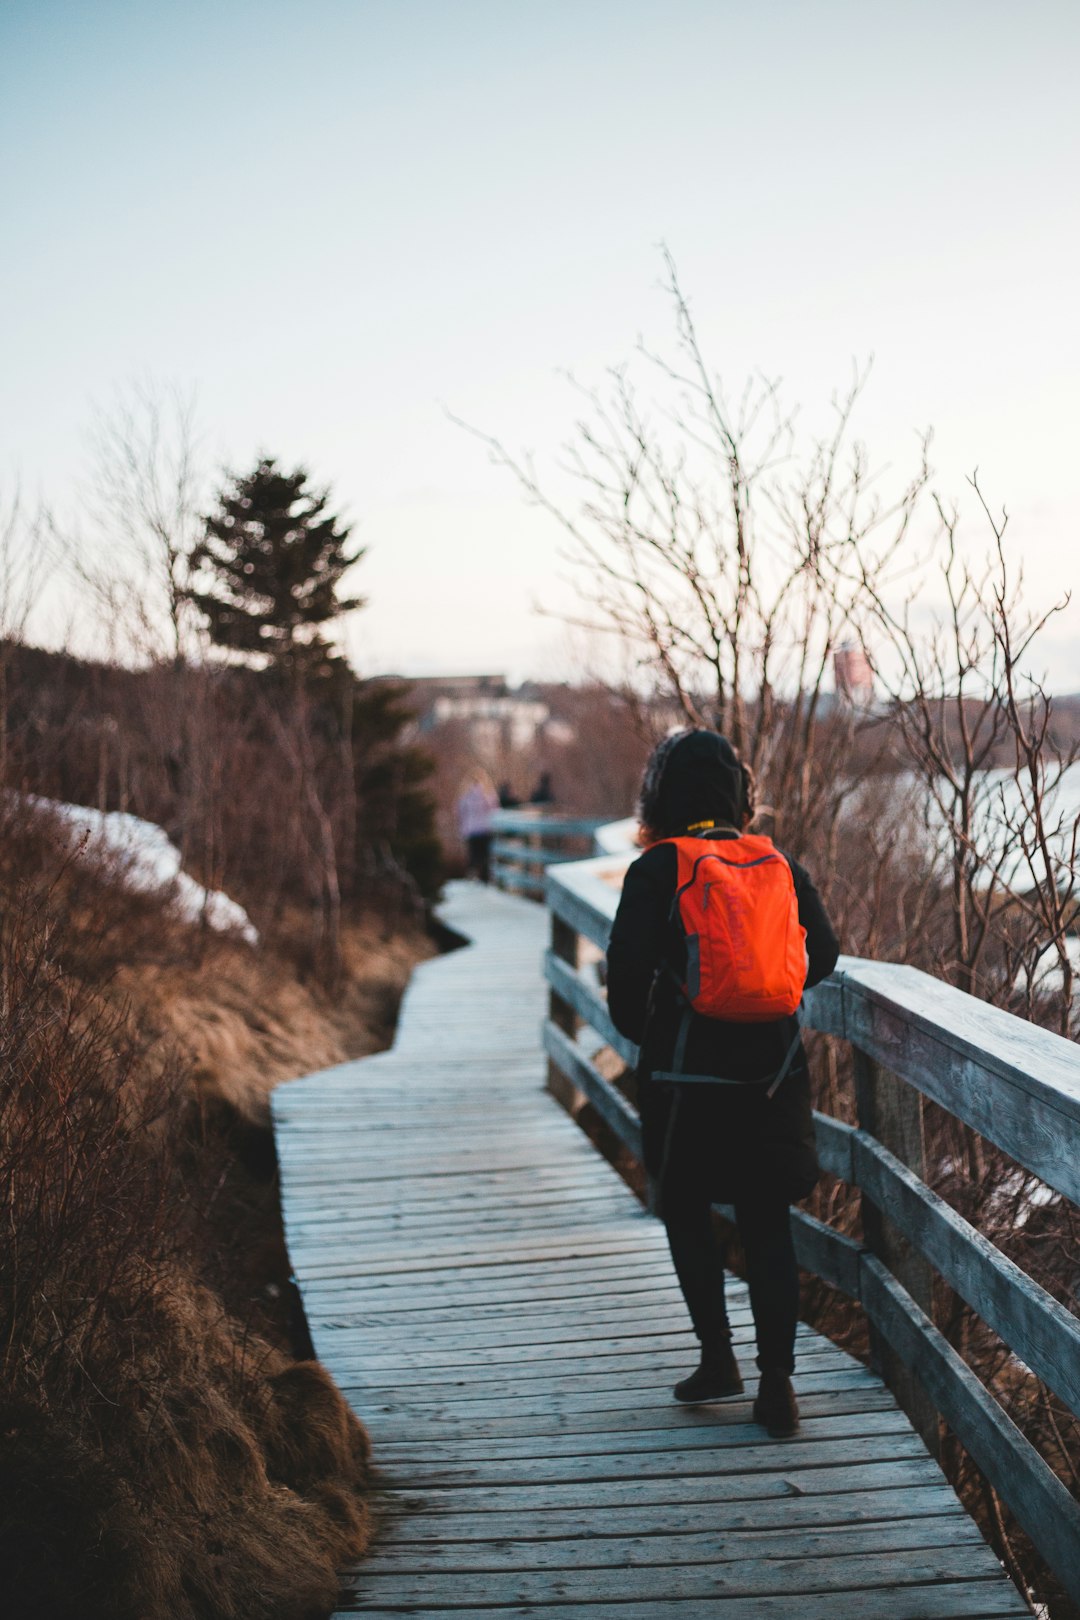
(503, 1317)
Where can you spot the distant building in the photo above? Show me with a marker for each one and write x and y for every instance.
(495, 718)
(852, 675)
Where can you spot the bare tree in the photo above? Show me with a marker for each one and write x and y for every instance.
(976, 731)
(25, 558)
(144, 501)
(733, 555)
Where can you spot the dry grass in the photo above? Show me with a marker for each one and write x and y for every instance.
(245, 1021)
(160, 1457)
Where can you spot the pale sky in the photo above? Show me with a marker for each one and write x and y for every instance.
(333, 219)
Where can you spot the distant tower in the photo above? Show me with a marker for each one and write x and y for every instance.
(852, 674)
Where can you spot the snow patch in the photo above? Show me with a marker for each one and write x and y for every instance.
(150, 861)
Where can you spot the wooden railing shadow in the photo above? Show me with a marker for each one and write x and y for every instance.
(912, 1037)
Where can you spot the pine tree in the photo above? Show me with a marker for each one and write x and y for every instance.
(275, 557)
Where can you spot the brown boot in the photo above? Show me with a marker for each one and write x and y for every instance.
(716, 1378)
(776, 1408)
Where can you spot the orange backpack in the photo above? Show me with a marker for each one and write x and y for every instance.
(745, 947)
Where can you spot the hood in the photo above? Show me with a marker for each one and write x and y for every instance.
(691, 776)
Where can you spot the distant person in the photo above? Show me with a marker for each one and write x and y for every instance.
(508, 799)
(543, 793)
(476, 807)
(737, 1129)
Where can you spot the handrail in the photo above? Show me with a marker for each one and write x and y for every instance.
(913, 1036)
(529, 840)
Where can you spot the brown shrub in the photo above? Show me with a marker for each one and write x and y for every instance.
(156, 1457)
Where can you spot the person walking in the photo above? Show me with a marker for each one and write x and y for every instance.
(738, 1129)
(476, 807)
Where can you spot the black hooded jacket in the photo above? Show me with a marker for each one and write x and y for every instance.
(756, 1144)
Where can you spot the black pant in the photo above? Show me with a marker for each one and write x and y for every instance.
(479, 848)
(771, 1271)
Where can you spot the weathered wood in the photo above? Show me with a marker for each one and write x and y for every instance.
(833, 1140)
(823, 1006)
(561, 1014)
(634, 1394)
(505, 1316)
(516, 1411)
(585, 894)
(891, 1112)
(828, 1254)
(613, 1108)
(1025, 1483)
(1032, 1323)
(1016, 1084)
(957, 1600)
(510, 1423)
(576, 992)
(717, 1429)
(672, 1547)
(819, 1479)
(786, 1577)
(905, 1503)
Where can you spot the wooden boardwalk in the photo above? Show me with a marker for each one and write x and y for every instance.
(504, 1319)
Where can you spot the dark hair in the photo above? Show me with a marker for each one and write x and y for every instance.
(694, 774)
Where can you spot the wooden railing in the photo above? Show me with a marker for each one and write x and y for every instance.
(527, 842)
(912, 1037)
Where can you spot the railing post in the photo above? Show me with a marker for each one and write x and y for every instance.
(564, 944)
(892, 1112)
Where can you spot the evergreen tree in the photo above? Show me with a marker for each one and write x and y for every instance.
(275, 557)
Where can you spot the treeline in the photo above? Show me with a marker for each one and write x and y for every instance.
(234, 721)
(280, 792)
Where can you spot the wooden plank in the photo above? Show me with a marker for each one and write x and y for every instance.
(517, 1285)
(579, 895)
(527, 1341)
(555, 1422)
(1042, 1332)
(578, 993)
(761, 1514)
(594, 1311)
(343, 1226)
(1040, 1501)
(820, 1478)
(748, 1577)
(828, 1254)
(612, 1107)
(892, 1112)
(577, 1376)
(958, 1600)
(683, 1462)
(367, 1387)
(833, 1141)
(535, 1320)
(1016, 1084)
(716, 1429)
(502, 1284)
(671, 1546)
(451, 1405)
